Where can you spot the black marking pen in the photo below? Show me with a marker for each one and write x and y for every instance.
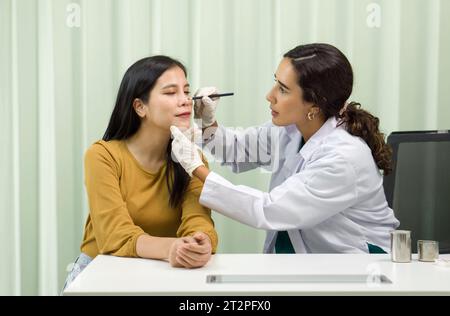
(214, 95)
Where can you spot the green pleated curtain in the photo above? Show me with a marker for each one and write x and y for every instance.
(61, 63)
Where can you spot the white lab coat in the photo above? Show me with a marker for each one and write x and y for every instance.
(329, 196)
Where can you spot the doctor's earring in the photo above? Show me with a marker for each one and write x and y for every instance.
(311, 116)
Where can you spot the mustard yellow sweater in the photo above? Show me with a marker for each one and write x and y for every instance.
(126, 201)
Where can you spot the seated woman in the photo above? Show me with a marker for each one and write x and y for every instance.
(142, 203)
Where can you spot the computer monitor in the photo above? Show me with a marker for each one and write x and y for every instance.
(418, 190)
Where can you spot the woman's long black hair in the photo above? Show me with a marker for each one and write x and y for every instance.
(137, 83)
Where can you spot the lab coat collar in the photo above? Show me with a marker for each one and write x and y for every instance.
(292, 131)
(313, 143)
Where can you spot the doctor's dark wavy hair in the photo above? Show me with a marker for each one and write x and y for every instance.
(326, 78)
(137, 83)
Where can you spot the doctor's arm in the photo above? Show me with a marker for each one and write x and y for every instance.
(240, 149)
(201, 173)
(326, 188)
(188, 154)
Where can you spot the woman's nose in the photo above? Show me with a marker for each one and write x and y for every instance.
(269, 96)
(186, 100)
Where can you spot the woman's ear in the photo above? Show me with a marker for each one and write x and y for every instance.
(316, 110)
(139, 107)
(310, 107)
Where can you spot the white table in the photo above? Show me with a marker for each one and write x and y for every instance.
(108, 275)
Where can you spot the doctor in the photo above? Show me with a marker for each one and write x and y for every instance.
(327, 159)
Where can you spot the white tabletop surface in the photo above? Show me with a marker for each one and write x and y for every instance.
(108, 275)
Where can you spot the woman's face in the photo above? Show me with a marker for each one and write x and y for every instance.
(170, 102)
(286, 97)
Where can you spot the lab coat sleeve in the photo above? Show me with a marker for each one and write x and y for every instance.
(244, 149)
(324, 188)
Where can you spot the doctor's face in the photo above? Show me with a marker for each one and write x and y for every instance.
(169, 101)
(286, 97)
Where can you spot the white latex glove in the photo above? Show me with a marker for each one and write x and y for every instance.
(184, 150)
(205, 108)
(194, 134)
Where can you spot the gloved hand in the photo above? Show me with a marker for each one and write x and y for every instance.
(194, 134)
(184, 150)
(205, 108)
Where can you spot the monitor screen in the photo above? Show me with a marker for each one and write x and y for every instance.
(421, 198)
